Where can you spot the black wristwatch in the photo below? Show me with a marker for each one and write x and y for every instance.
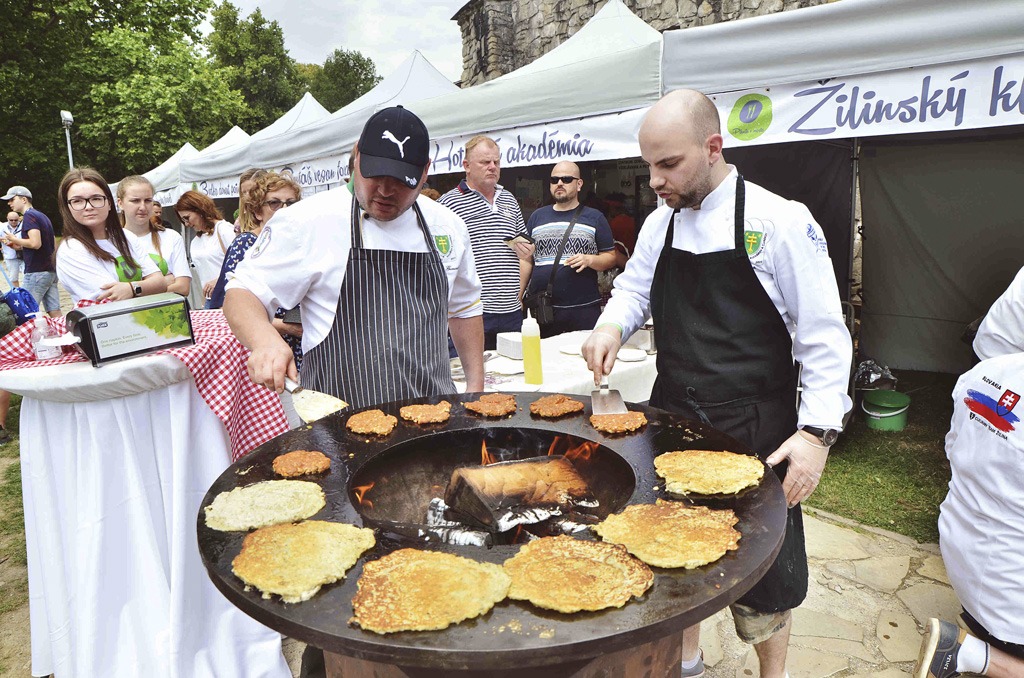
(827, 436)
(136, 290)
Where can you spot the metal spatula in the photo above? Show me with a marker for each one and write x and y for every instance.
(605, 401)
(312, 405)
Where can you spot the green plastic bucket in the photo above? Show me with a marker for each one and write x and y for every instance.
(886, 410)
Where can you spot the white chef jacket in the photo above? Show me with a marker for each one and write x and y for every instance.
(1002, 330)
(981, 522)
(792, 264)
(302, 252)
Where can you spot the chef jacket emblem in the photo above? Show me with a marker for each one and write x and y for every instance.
(443, 243)
(753, 242)
(1007, 402)
(261, 243)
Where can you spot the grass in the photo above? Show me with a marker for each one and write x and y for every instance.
(894, 480)
(13, 594)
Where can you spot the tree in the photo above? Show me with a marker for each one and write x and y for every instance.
(155, 104)
(346, 75)
(259, 66)
(50, 60)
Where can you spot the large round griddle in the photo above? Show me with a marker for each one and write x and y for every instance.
(513, 634)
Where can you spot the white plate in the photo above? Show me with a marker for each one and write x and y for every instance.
(504, 366)
(571, 349)
(632, 355)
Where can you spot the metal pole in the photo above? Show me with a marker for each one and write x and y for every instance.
(67, 135)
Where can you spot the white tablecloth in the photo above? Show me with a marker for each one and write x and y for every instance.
(568, 373)
(115, 462)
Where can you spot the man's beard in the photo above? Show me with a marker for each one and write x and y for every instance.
(561, 198)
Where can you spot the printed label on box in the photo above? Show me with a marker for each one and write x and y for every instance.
(145, 330)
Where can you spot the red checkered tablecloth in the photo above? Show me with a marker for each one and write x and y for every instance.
(251, 413)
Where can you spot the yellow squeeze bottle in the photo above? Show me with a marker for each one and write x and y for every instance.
(531, 351)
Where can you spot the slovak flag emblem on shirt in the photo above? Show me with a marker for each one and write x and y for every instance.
(1006, 403)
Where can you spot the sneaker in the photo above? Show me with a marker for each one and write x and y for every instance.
(939, 649)
(695, 671)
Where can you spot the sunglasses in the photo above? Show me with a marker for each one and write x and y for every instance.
(276, 204)
(564, 180)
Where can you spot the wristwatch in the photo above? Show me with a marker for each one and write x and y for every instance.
(827, 436)
(136, 290)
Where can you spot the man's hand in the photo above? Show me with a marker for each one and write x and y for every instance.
(208, 288)
(269, 364)
(600, 350)
(524, 251)
(807, 458)
(580, 262)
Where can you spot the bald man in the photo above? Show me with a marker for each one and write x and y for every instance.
(575, 242)
(739, 284)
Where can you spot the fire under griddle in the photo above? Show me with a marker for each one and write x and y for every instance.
(412, 466)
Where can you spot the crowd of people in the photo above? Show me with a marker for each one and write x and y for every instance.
(365, 292)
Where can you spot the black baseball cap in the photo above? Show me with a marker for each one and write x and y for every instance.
(394, 143)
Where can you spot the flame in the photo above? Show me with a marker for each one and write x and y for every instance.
(581, 452)
(485, 456)
(361, 491)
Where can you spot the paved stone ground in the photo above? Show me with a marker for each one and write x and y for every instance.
(871, 593)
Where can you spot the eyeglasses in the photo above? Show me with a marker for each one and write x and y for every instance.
(276, 204)
(95, 201)
(564, 180)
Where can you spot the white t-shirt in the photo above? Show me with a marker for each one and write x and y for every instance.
(7, 229)
(981, 522)
(302, 252)
(1002, 330)
(791, 261)
(208, 251)
(172, 252)
(83, 275)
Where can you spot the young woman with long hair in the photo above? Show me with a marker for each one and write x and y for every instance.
(97, 259)
(213, 235)
(164, 246)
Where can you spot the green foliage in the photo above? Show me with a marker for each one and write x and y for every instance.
(345, 76)
(166, 321)
(258, 64)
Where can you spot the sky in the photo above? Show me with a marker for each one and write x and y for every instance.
(385, 32)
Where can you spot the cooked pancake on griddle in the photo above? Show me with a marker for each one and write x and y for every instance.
(413, 590)
(300, 463)
(708, 471)
(372, 421)
(569, 575)
(294, 560)
(270, 502)
(493, 404)
(554, 406)
(671, 534)
(427, 414)
(618, 423)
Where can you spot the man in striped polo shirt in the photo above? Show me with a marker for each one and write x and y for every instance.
(492, 216)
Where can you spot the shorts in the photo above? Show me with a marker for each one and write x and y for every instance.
(13, 268)
(755, 627)
(43, 288)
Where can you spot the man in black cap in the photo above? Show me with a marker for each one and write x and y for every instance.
(36, 243)
(381, 276)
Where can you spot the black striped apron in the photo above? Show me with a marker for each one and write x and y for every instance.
(389, 337)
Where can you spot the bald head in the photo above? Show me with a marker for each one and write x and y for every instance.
(567, 184)
(566, 168)
(684, 111)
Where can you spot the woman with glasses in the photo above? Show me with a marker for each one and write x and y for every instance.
(97, 259)
(213, 235)
(269, 193)
(164, 246)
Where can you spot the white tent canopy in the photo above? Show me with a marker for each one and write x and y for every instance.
(230, 161)
(317, 153)
(170, 187)
(931, 90)
(579, 94)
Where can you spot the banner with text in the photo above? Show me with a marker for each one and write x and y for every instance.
(603, 137)
(963, 95)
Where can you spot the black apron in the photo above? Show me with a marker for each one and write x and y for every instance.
(389, 337)
(725, 357)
